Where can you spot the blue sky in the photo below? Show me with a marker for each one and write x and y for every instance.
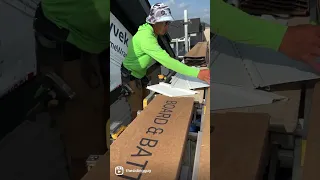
(196, 8)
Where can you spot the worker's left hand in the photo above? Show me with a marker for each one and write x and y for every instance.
(204, 75)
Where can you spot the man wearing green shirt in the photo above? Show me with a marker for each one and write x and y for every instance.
(143, 48)
(300, 42)
(68, 30)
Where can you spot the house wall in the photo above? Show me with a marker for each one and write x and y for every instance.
(206, 34)
(17, 47)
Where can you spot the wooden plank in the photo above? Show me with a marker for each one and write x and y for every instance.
(204, 162)
(307, 111)
(297, 169)
(143, 146)
(239, 144)
(195, 170)
(108, 134)
(198, 51)
(303, 151)
(312, 155)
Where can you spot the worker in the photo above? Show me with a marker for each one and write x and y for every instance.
(77, 32)
(301, 42)
(144, 47)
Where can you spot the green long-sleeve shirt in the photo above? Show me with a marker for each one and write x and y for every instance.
(239, 26)
(144, 47)
(87, 20)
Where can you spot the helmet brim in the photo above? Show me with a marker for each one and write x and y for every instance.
(165, 19)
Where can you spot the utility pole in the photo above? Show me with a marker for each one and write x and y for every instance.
(186, 37)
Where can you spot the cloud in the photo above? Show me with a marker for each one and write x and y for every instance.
(206, 15)
(206, 18)
(170, 2)
(183, 5)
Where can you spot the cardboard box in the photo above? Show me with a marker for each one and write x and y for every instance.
(238, 145)
(312, 155)
(154, 142)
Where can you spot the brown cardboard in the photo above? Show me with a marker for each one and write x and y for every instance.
(204, 161)
(165, 157)
(312, 155)
(238, 143)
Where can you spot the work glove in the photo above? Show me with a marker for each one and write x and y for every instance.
(302, 42)
(204, 75)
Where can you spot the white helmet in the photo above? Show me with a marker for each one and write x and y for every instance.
(159, 13)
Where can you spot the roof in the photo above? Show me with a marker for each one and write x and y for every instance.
(244, 65)
(176, 29)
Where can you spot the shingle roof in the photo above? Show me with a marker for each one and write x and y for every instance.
(176, 29)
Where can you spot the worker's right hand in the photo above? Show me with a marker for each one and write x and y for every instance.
(204, 75)
(302, 42)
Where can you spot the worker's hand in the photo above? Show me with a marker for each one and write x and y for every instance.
(204, 75)
(302, 42)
